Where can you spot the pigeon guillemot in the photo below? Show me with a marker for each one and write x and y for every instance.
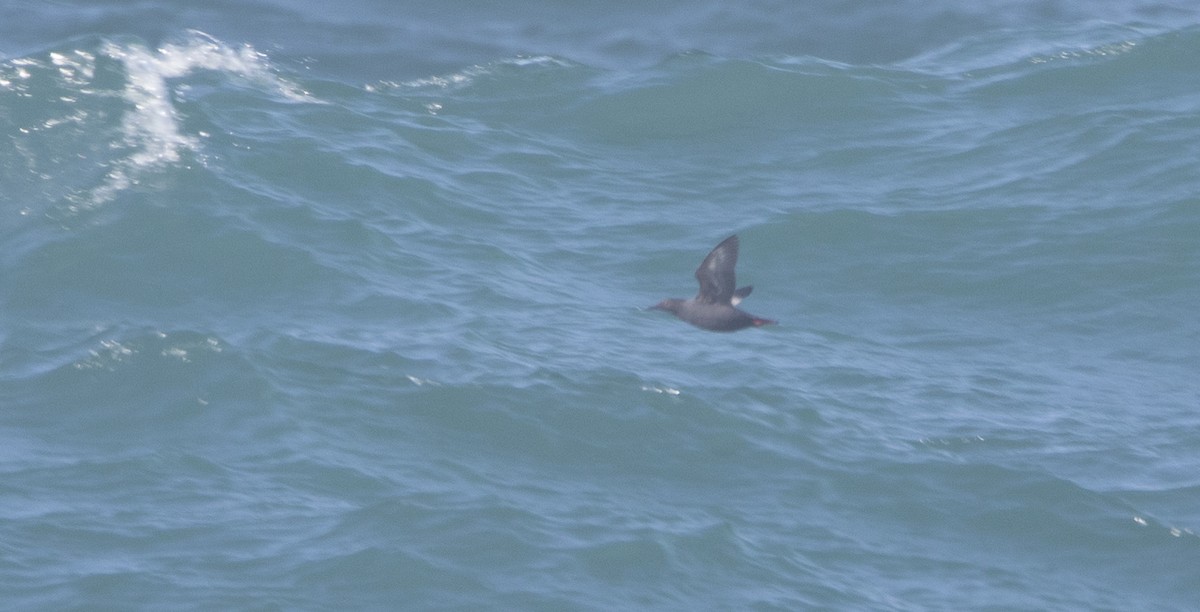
(713, 308)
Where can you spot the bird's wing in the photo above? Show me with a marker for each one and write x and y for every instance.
(716, 274)
(741, 293)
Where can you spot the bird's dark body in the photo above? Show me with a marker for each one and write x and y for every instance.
(714, 308)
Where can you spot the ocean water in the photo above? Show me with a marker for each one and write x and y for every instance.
(342, 306)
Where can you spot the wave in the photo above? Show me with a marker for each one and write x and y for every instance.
(119, 99)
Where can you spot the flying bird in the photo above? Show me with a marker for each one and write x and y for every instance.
(714, 308)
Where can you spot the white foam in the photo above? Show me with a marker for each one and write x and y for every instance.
(420, 381)
(106, 357)
(151, 127)
(666, 390)
(76, 67)
(467, 75)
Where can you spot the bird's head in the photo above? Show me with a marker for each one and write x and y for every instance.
(670, 305)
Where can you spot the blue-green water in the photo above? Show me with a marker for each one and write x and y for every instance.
(304, 308)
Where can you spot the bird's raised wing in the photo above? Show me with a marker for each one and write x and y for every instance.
(716, 273)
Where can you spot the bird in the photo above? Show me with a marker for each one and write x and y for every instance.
(714, 308)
